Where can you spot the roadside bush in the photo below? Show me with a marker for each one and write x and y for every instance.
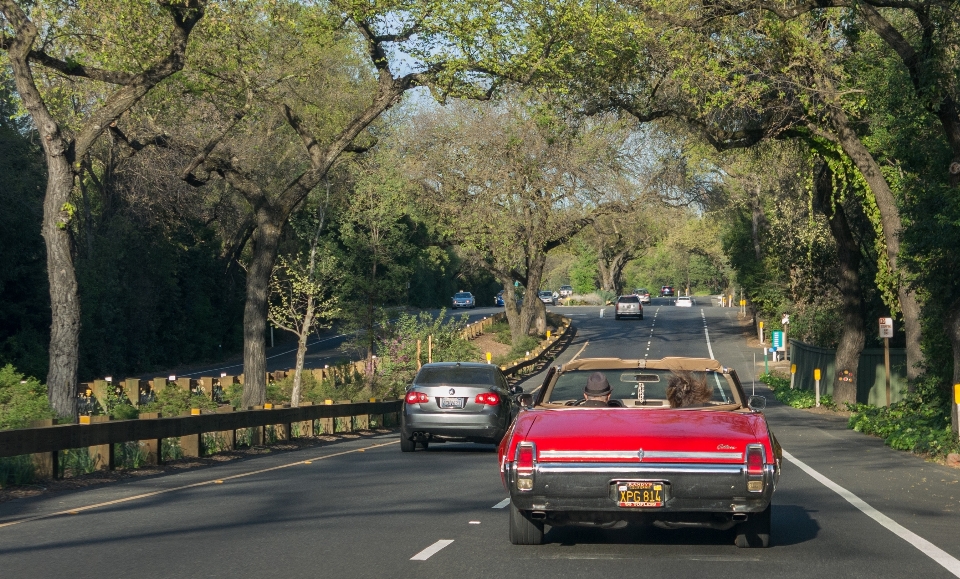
(22, 400)
(397, 348)
(175, 401)
(794, 397)
(919, 423)
(526, 344)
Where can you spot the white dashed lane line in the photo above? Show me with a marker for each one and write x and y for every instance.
(502, 503)
(431, 550)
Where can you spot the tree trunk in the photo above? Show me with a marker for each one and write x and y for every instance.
(757, 224)
(611, 271)
(302, 351)
(64, 297)
(852, 337)
(264, 249)
(952, 326)
(891, 224)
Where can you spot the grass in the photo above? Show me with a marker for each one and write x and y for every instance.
(796, 398)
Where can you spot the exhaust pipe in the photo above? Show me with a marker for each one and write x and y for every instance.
(538, 515)
(739, 517)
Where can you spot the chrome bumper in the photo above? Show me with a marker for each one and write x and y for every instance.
(689, 488)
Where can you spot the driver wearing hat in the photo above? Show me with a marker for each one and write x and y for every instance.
(597, 392)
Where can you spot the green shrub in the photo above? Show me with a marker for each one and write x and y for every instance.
(176, 401)
(919, 423)
(527, 343)
(22, 400)
(16, 470)
(794, 397)
(501, 332)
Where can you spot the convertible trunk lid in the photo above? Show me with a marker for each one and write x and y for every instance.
(646, 435)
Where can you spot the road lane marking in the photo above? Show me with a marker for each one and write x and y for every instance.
(77, 511)
(474, 522)
(502, 503)
(924, 546)
(431, 550)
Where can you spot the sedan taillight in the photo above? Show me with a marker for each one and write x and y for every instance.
(526, 464)
(414, 397)
(754, 468)
(489, 398)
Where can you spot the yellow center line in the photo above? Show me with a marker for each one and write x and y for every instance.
(77, 511)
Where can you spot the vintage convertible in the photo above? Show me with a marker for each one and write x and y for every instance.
(638, 458)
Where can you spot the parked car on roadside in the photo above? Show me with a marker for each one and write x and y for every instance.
(547, 297)
(456, 402)
(464, 300)
(566, 291)
(628, 306)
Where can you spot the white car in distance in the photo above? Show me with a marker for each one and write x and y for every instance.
(684, 301)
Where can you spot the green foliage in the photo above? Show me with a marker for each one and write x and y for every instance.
(583, 271)
(794, 397)
(175, 401)
(526, 344)
(16, 470)
(22, 399)
(501, 331)
(76, 461)
(397, 349)
(132, 454)
(919, 423)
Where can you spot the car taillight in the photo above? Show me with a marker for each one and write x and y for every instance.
(417, 397)
(526, 459)
(489, 398)
(754, 468)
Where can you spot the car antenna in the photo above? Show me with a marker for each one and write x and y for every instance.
(754, 393)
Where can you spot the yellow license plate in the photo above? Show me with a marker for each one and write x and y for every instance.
(634, 494)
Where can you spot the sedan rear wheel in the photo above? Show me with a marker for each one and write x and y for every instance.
(523, 529)
(755, 532)
(425, 445)
(407, 445)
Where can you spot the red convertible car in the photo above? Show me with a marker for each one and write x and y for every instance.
(672, 442)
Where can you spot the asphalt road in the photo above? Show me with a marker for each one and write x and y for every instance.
(846, 505)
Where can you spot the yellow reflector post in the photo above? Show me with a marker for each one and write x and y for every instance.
(956, 393)
(816, 374)
(195, 412)
(793, 368)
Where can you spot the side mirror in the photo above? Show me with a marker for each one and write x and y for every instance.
(525, 400)
(516, 389)
(756, 403)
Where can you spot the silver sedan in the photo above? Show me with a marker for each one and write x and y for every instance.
(456, 401)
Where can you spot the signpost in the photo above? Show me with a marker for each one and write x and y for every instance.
(761, 332)
(886, 332)
(776, 337)
(816, 379)
(793, 374)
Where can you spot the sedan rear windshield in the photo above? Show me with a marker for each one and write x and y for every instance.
(454, 375)
(629, 300)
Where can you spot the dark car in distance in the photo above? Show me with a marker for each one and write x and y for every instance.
(456, 402)
(666, 291)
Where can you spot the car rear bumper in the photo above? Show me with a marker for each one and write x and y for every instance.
(562, 489)
(452, 425)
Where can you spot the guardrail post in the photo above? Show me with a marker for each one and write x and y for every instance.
(190, 444)
(153, 446)
(283, 430)
(45, 464)
(347, 420)
(306, 427)
(226, 439)
(102, 454)
(256, 434)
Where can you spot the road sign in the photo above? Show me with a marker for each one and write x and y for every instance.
(777, 337)
(785, 319)
(886, 327)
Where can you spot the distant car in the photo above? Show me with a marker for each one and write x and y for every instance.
(685, 301)
(666, 291)
(456, 402)
(628, 306)
(499, 299)
(547, 297)
(566, 291)
(464, 300)
(644, 295)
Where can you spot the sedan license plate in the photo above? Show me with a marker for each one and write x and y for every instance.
(632, 494)
(451, 402)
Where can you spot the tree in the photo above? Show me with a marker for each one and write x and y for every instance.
(75, 52)
(277, 73)
(509, 183)
(302, 287)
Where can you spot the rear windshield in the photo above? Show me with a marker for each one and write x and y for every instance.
(629, 383)
(454, 375)
(629, 299)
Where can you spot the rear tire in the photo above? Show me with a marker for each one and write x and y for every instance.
(407, 445)
(523, 529)
(755, 532)
(641, 316)
(616, 316)
(425, 445)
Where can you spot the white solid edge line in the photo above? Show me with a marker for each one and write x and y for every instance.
(502, 503)
(926, 547)
(431, 550)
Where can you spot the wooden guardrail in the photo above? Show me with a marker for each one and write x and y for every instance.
(108, 432)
